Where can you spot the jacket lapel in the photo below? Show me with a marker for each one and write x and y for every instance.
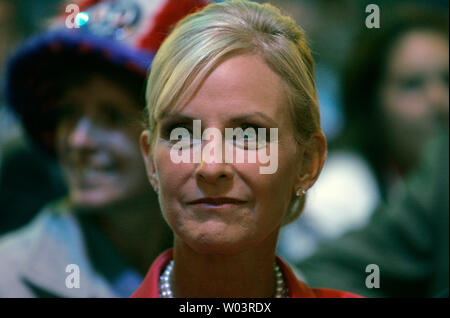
(58, 242)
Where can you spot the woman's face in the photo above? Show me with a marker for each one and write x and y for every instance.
(98, 145)
(240, 92)
(415, 93)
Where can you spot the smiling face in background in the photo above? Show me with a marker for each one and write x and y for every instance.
(98, 144)
(415, 93)
(242, 92)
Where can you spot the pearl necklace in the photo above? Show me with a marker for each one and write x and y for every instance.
(165, 290)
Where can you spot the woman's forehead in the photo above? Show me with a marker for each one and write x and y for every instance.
(241, 86)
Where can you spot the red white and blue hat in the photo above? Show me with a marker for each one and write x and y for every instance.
(126, 33)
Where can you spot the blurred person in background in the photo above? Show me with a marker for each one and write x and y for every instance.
(396, 98)
(78, 90)
(331, 208)
(395, 93)
(407, 239)
(38, 178)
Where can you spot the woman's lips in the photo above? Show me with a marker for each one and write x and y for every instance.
(216, 203)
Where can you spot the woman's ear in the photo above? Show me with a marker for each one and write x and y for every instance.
(313, 158)
(146, 150)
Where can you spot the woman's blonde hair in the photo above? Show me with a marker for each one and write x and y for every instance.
(202, 40)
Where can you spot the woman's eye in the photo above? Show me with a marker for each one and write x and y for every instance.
(248, 136)
(180, 133)
(177, 132)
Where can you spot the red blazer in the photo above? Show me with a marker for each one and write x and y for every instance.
(297, 289)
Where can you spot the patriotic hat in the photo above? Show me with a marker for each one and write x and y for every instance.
(125, 33)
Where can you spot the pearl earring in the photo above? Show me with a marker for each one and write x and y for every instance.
(155, 181)
(300, 192)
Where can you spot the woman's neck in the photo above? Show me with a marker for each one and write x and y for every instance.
(245, 274)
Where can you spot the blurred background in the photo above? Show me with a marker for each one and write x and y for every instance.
(28, 179)
(382, 92)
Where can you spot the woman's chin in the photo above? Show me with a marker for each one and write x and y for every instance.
(218, 243)
(216, 235)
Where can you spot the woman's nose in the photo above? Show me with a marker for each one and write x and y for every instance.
(213, 168)
(214, 173)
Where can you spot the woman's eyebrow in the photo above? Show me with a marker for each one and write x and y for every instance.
(238, 119)
(250, 116)
(175, 117)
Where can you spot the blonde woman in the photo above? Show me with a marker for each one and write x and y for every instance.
(242, 66)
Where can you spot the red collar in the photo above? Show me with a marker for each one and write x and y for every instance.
(297, 289)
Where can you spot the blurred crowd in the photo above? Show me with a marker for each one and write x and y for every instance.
(382, 197)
